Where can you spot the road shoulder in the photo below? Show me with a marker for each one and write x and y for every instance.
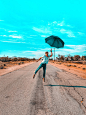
(13, 68)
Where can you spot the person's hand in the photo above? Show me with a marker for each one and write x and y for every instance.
(51, 50)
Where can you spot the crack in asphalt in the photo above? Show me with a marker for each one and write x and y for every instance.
(37, 103)
(68, 90)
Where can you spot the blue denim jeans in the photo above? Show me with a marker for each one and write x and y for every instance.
(44, 69)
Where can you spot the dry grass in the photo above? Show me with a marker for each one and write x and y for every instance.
(4, 65)
(78, 68)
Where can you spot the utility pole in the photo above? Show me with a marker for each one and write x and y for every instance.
(54, 54)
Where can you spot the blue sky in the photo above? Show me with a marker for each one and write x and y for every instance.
(24, 25)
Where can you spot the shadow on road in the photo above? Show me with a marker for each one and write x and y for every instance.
(66, 86)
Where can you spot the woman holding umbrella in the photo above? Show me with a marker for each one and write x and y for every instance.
(43, 64)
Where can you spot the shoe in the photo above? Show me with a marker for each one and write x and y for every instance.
(33, 76)
(44, 79)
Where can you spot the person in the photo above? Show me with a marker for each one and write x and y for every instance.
(43, 64)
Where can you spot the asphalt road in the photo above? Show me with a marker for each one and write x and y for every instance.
(20, 94)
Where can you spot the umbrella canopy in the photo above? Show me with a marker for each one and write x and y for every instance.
(54, 41)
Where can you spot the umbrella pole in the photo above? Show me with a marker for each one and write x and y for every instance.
(54, 54)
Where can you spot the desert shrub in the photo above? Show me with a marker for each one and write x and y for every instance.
(59, 63)
(62, 57)
(14, 59)
(68, 65)
(5, 59)
(83, 58)
(1, 67)
(84, 63)
(83, 68)
(19, 63)
(78, 67)
(76, 57)
(74, 65)
(23, 59)
(78, 62)
(4, 64)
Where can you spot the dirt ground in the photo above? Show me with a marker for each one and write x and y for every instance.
(12, 63)
(6, 67)
(78, 69)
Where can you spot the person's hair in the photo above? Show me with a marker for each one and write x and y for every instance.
(46, 52)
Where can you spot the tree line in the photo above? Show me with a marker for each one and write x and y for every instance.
(8, 59)
(71, 58)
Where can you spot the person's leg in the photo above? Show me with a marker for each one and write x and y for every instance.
(44, 71)
(40, 66)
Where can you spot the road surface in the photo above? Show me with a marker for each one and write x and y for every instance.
(20, 94)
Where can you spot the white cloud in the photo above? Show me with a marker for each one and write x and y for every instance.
(46, 49)
(14, 36)
(52, 27)
(61, 23)
(80, 33)
(55, 22)
(42, 50)
(40, 53)
(28, 51)
(70, 26)
(1, 20)
(63, 31)
(37, 53)
(12, 42)
(42, 30)
(3, 29)
(33, 35)
(4, 35)
(12, 31)
(84, 45)
(68, 32)
(44, 36)
(71, 46)
(77, 48)
(73, 49)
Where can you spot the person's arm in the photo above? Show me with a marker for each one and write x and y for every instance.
(38, 59)
(51, 53)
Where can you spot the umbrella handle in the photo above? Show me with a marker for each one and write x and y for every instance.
(51, 50)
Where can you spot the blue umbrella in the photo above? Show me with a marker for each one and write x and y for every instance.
(54, 41)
